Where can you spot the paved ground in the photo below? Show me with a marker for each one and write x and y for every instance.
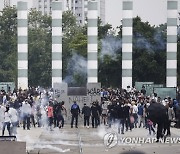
(88, 141)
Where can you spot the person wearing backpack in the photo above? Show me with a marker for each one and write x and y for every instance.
(75, 111)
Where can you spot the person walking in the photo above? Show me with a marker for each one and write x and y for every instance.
(60, 118)
(126, 110)
(7, 121)
(120, 117)
(26, 112)
(104, 112)
(94, 114)
(86, 110)
(140, 113)
(14, 119)
(169, 118)
(2, 110)
(64, 110)
(75, 111)
(134, 110)
(50, 115)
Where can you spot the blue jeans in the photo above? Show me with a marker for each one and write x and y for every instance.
(8, 128)
(121, 125)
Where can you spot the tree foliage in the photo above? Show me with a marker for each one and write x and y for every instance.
(149, 50)
(39, 49)
(8, 44)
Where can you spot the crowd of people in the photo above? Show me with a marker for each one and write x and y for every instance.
(128, 109)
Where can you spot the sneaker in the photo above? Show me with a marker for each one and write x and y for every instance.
(157, 140)
(87, 127)
(168, 135)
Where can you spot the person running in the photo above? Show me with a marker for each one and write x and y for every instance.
(75, 111)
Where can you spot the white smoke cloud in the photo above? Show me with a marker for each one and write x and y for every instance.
(77, 64)
(110, 46)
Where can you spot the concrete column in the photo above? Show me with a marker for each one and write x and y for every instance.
(56, 42)
(171, 60)
(83, 13)
(127, 30)
(85, 10)
(74, 6)
(22, 33)
(92, 42)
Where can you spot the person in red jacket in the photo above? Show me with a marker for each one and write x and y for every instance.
(50, 114)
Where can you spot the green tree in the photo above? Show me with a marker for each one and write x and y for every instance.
(8, 44)
(39, 49)
(149, 52)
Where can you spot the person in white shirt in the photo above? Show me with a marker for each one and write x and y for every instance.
(7, 121)
(2, 110)
(14, 120)
(26, 112)
(4, 99)
(134, 113)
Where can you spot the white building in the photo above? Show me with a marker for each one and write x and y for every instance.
(4, 3)
(78, 7)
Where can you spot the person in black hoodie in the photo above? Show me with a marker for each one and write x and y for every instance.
(75, 111)
(95, 114)
(86, 110)
(126, 109)
(100, 112)
(120, 117)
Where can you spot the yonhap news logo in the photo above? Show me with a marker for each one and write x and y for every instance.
(110, 140)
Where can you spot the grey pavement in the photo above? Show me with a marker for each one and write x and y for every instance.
(88, 141)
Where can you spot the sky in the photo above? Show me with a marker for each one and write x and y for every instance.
(153, 11)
